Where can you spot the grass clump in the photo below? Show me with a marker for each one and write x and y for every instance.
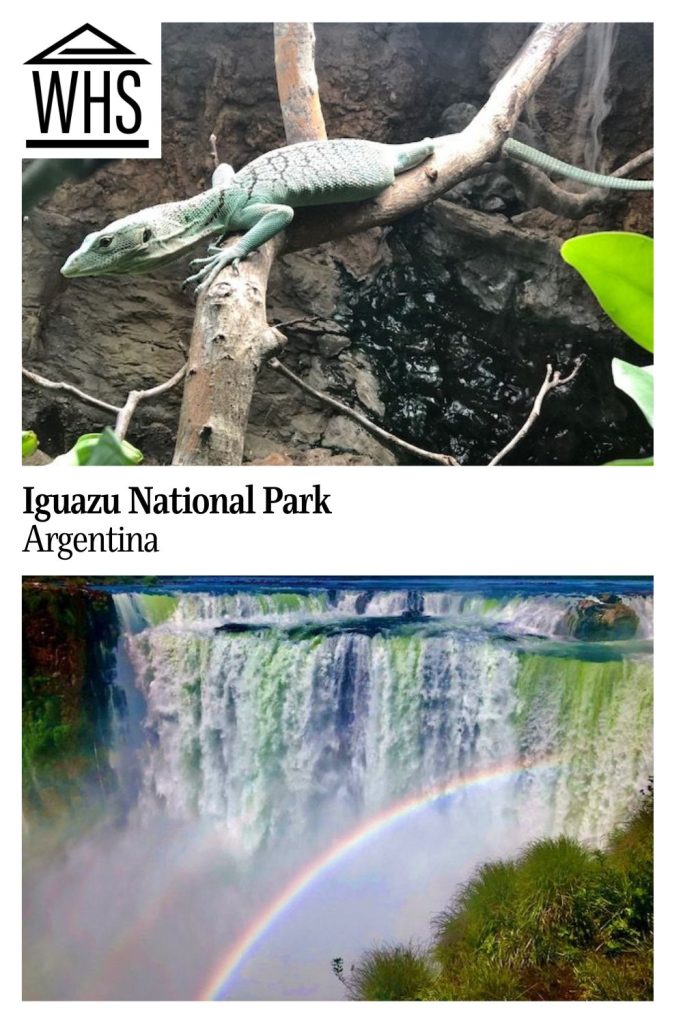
(390, 973)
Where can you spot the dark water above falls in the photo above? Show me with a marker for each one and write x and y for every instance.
(487, 586)
(310, 766)
(457, 380)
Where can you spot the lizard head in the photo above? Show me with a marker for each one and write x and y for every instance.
(123, 247)
(152, 237)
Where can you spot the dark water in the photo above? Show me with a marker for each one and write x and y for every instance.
(460, 381)
(494, 586)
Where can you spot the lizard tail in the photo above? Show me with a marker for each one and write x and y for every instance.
(549, 164)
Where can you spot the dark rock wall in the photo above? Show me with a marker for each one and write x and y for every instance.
(68, 692)
(387, 82)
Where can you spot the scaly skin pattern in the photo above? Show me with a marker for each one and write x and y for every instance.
(552, 166)
(317, 173)
(260, 200)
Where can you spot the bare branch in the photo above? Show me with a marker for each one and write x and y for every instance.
(69, 389)
(127, 412)
(123, 413)
(231, 338)
(213, 140)
(553, 379)
(297, 82)
(372, 428)
(642, 160)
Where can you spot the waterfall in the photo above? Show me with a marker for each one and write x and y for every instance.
(308, 718)
(593, 103)
(255, 730)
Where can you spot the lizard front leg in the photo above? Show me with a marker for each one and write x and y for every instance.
(263, 220)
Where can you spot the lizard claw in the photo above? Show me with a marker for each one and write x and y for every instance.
(200, 262)
(208, 268)
(208, 279)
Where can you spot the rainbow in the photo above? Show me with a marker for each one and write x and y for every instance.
(217, 983)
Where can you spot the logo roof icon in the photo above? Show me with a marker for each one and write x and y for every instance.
(89, 49)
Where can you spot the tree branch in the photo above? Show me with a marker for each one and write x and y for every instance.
(231, 338)
(297, 82)
(552, 380)
(642, 160)
(69, 389)
(127, 411)
(372, 428)
(124, 413)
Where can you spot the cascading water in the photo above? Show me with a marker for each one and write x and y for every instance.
(312, 719)
(265, 726)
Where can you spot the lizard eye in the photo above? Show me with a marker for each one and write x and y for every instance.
(146, 234)
(105, 242)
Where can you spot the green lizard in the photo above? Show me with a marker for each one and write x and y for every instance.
(261, 199)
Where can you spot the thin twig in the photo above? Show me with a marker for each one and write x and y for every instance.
(69, 389)
(372, 428)
(552, 380)
(123, 413)
(135, 397)
(635, 164)
(214, 150)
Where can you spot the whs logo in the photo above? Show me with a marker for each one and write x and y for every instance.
(89, 93)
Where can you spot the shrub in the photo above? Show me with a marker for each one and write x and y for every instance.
(562, 904)
(481, 916)
(391, 973)
(615, 978)
(480, 978)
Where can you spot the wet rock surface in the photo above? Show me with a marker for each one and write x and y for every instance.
(605, 618)
(437, 328)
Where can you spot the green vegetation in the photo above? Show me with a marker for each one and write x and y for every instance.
(45, 736)
(103, 449)
(388, 973)
(561, 922)
(618, 267)
(29, 443)
(638, 383)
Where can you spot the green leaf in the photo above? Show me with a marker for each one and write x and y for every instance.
(649, 461)
(638, 383)
(29, 443)
(100, 450)
(617, 266)
(110, 451)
